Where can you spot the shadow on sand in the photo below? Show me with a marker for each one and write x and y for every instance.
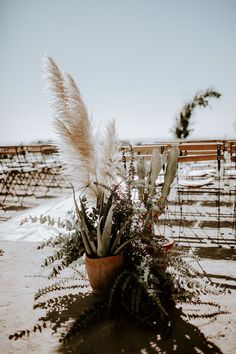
(123, 335)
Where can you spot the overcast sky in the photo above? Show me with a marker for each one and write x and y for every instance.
(137, 61)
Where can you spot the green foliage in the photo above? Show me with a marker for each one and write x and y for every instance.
(188, 279)
(105, 228)
(68, 244)
(182, 129)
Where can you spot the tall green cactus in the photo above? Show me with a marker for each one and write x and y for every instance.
(170, 173)
(147, 176)
(155, 169)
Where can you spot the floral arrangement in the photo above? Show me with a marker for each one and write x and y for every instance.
(117, 205)
(110, 212)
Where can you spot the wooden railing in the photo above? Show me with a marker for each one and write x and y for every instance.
(23, 149)
(190, 151)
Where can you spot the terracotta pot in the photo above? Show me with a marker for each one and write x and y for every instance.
(168, 246)
(161, 252)
(102, 271)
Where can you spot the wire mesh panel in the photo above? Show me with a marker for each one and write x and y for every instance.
(202, 208)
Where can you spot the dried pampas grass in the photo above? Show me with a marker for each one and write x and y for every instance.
(89, 161)
(110, 156)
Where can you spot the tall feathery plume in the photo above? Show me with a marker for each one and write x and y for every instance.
(74, 128)
(110, 157)
(57, 87)
(83, 138)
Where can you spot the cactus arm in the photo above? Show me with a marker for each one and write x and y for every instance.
(141, 168)
(155, 168)
(171, 169)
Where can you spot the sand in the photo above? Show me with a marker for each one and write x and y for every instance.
(21, 261)
(21, 276)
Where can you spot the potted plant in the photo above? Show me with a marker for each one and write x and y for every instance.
(109, 214)
(116, 209)
(104, 208)
(105, 231)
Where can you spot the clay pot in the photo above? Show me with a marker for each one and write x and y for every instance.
(161, 253)
(102, 271)
(168, 246)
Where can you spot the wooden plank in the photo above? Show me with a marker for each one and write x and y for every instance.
(188, 158)
(8, 150)
(147, 149)
(193, 158)
(144, 149)
(20, 149)
(200, 152)
(191, 147)
(33, 148)
(49, 149)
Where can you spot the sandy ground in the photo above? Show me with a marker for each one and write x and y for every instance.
(18, 267)
(21, 277)
(16, 297)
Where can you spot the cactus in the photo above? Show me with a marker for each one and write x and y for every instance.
(171, 170)
(146, 184)
(155, 169)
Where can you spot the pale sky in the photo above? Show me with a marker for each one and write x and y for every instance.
(137, 61)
